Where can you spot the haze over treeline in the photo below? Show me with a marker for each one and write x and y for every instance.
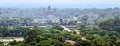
(92, 15)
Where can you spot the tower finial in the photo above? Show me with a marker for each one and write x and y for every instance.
(49, 8)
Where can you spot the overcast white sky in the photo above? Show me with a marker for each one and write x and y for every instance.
(61, 3)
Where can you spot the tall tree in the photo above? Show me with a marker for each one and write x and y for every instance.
(30, 36)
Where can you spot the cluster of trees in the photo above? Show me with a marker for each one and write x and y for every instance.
(54, 36)
(15, 22)
(111, 25)
(107, 34)
(12, 32)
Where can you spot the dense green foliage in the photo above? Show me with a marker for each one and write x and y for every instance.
(107, 34)
(111, 24)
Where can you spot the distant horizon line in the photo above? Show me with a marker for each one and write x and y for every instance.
(61, 7)
(99, 6)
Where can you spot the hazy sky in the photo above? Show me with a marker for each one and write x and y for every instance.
(61, 3)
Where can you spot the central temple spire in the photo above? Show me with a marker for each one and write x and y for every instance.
(49, 7)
